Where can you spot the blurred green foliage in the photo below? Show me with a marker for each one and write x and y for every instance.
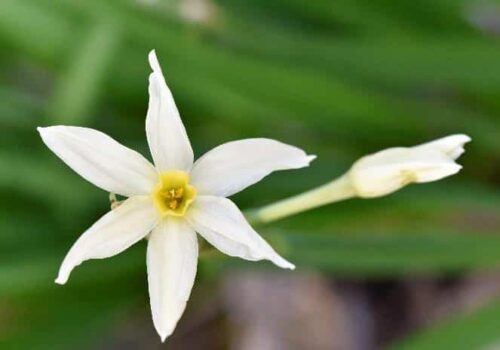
(338, 79)
(478, 330)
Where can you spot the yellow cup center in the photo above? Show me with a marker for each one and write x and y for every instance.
(173, 194)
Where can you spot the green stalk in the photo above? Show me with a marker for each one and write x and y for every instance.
(334, 191)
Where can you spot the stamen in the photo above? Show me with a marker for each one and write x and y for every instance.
(178, 193)
(173, 194)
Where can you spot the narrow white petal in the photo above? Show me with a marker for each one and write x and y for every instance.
(101, 160)
(389, 170)
(383, 180)
(452, 146)
(167, 137)
(233, 166)
(434, 172)
(172, 258)
(223, 225)
(113, 233)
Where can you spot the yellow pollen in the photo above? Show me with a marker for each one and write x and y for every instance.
(173, 204)
(173, 194)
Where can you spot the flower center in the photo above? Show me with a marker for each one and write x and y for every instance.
(173, 194)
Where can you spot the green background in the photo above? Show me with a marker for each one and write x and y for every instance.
(339, 79)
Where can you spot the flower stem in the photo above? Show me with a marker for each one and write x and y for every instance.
(334, 191)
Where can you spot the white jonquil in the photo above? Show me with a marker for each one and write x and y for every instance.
(377, 175)
(389, 170)
(170, 201)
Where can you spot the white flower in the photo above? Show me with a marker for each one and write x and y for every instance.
(389, 170)
(170, 201)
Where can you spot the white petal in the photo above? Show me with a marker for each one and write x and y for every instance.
(434, 172)
(172, 258)
(113, 233)
(391, 169)
(452, 146)
(167, 137)
(223, 225)
(101, 160)
(233, 166)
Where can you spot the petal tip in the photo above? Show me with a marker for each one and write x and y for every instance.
(164, 335)
(464, 138)
(450, 170)
(461, 140)
(42, 130)
(458, 168)
(61, 281)
(310, 158)
(284, 264)
(62, 277)
(50, 130)
(153, 61)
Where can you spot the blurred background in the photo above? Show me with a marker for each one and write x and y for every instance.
(414, 270)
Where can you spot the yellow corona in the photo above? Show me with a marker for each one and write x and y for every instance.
(173, 194)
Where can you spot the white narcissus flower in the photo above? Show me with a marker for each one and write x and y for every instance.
(170, 201)
(389, 170)
(376, 175)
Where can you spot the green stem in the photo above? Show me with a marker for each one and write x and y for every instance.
(335, 191)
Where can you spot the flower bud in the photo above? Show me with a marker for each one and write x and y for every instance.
(389, 170)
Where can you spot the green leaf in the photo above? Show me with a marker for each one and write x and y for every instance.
(393, 255)
(475, 330)
(80, 86)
